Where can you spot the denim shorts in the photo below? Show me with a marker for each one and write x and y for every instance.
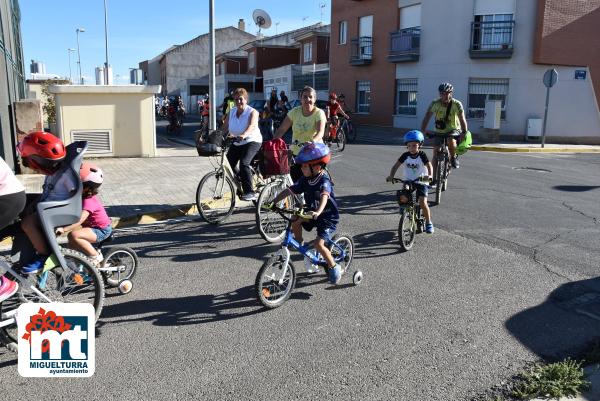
(324, 227)
(102, 233)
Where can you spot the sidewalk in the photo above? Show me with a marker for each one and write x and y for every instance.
(379, 135)
(143, 190)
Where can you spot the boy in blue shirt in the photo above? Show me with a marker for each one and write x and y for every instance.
(319, 200)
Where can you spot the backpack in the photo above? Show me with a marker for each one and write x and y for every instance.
(275, 157)
(465, 144)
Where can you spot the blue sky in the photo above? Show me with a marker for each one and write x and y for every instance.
(139, 30)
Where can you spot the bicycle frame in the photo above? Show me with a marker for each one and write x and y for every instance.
(24, 284)
(290, 241)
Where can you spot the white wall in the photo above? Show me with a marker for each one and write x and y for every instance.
(573, 109)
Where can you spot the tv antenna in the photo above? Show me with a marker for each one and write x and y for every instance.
(322, 7)
(304, 20)
(276, 25)
(261, 19)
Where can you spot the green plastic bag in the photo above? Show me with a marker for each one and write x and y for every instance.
(465, 144)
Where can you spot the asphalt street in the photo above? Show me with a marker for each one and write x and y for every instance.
(509, 277)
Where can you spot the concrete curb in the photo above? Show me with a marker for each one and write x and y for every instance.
(532, 150)
(142, 218)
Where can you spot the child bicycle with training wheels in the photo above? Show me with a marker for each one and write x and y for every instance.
(317, 189)
(416, 165)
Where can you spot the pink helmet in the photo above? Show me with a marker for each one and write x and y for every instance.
(90, 174)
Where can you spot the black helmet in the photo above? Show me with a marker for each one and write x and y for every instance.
(445, 87)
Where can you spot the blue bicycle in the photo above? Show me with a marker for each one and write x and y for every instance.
(277, 276)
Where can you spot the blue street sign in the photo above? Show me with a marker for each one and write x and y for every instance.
(580, 74)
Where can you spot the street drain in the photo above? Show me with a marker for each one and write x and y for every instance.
(539, 170)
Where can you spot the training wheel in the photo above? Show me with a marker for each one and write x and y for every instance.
(357, 277)
(125, 286)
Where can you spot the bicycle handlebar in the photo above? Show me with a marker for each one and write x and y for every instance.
(292, 212)
(420, 180)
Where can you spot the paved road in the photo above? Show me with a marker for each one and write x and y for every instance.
(508, 277)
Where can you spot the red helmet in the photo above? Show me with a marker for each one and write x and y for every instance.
(42, 151)
(333, 95)
(91, 175)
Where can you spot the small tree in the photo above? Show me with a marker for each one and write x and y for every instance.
(48, 104)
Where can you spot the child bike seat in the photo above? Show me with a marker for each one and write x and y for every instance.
(65, 212)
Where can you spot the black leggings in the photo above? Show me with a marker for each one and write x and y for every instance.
(10, 207)
(243, 154)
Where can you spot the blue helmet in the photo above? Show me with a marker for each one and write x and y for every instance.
(414, 136)
(313, 153)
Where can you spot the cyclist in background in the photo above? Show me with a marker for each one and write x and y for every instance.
(449, 117)
(334, 108)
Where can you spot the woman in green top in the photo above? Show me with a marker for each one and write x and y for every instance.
(307, 122)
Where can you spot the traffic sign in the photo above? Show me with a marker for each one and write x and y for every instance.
(550, 78)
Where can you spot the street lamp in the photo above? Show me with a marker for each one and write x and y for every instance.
(69, 50)
(79, 55)
(106, 44)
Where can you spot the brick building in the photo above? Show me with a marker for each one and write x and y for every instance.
(388, 57)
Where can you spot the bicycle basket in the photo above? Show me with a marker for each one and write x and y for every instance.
(275, 158)
(210, 144)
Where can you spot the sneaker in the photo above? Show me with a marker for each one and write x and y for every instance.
(429, 228)
(249, 196)
(34, 266)
(97, 260)
(8, 288)
(455, 163)
(335, 274)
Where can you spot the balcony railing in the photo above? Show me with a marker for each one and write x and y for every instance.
(361, 50)
(492, 39)
(405, 45)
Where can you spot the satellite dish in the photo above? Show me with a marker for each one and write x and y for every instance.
(261, 19)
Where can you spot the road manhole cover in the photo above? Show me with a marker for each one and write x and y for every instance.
(539, 170)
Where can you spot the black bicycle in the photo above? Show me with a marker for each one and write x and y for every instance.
(443, 166)
(412, 221)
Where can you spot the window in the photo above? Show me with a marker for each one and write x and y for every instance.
(343, 32)
(363, 96)
(494, 31)
(307, 52)
(406, 97)
(251, 60)
(482, 90)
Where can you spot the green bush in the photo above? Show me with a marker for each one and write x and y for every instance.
(560, 379)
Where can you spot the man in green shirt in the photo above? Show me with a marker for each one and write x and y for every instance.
(449, 116)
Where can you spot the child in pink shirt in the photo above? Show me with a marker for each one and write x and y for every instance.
(94, 224)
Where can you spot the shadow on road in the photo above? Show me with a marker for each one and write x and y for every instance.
(377, 203)
(564, 325)
(198, 309)
(575, 188)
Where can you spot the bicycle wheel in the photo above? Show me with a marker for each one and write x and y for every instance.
(215, 197)
(350, 132)
(444, 174)
(340, 140)
(271, 226)
(346, 243)
(120, 263)
(272, 287)
(406, 230)
(439, 178)
(78, 283)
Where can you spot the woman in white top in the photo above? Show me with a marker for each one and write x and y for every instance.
(242, 123)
